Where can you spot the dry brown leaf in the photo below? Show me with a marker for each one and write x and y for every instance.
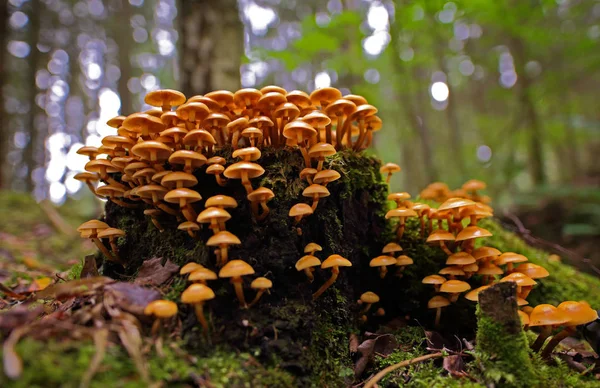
(454, 365)
(19, 316)
(90, 268)
(153, 273)
(73, 288)
(131, 297)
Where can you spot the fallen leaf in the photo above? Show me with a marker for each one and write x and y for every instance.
(454, 365)
(90, 268)
(19, 316)
(40, 284)
(132, 297)
(366, 353)
(383, 344)
(437, 342)
(152, 272)
(73, 288)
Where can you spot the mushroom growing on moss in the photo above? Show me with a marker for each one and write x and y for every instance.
(546, 316)
(201, 275)
(235, 269)
(298, 211)
(196, 294)
(334, 262)
(402, 262)
(91, 228)
(315, 192)
(223, 240)
(389, 169)
(435, 280)
(112, 234)
(402, 215)
(454, 288)
(260, 196)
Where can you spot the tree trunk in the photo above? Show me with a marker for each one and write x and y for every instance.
(30, 153)
(4, 132)
(123, 36)
(212, 46)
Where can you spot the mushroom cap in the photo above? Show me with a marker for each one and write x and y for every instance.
(356, 99)
(202, 274)
(145, 149)
(437, 301)
(363, 111)
(223, 238)
(390, 168)
(110, 232)
(316, 119)
(473, 185)
(455, 286)
(299, 98)
(215, 169)
(382, 261)
(221, 97)
(195, 111)
(110, 191)
(137, 122)
(222, 201)
(87, 177)
(473, 267)
(469, 211)
(312, 247)
(132, 167)
(170, 180)
(391, 248)
(161, 308)
(190, 267)
(308, 172)
(546, 314)
(261, 284)
(326, 176)
(490, 269)
(307, 262)
(164, 97)
(170, 117)
(88, 151)
(159, 176)
(217, 160)
(100, 166)
(235, 170)
(453, 203)
(369, 297)
(403, 260)
(211, 104)
(182, 156)
(152, 212)
(510, 257)
(471, 232)
(273, 88)
(300, 209)
(213, 213)
(473, 295)
(251, 131)
(482, 252)
(216, 120)
(455, 270)
(322, 97)
(433, 279)
(523, 317)
(519, 278)
(188, 225)
(197, 293)
(199, 136)
(578, 313)
(236, 268)
(286, 110)
(321, 150)
(440, 235)
(298, 127)
(336, 261)
(313, 190)
(527, 309)
(374, 123)
(262, 194)
(534, 271)
(262, 122)
(420, 206)
(521, 301)
(249, 154)
(117, 141)
(460, 258)
(116, 121)
(92, 224)
(400, 212)
(147, 191)
(269, 101)
(121, 161)
(340, 107)
(247, 95)
(398, 196)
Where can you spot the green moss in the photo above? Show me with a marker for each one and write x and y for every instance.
(75, 271)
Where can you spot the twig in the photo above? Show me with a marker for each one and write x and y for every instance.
(371, 383)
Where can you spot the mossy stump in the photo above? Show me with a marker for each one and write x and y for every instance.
(501, 342)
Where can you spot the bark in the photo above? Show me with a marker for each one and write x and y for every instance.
(123, 36)
(212, 45)
(4, 131)
(30, 153)
(525, 85)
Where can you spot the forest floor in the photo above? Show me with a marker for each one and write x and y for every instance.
(86, 333)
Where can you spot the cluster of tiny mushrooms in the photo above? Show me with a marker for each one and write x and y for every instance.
(151, 160)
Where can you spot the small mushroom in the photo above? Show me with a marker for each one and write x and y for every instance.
(223, 240)
(389, 169)
(436, 280)
(402, 215)
(315, 192)
(307, 264)
(161, 310)
(382, 262)
(452, 272)
(489, 270)
(308, 174)
(164, 98)
(578, 314)
(261, 196)
(235, 269)
(190, 227)
(368, 298)
(312, 248)
(391, 248)
(91, 228)
(154, 213)
(189, 268)
(521, 280)
(441, 236)
(112, 234)
(244, 171)
(215, 216)
(438, 302)
(401, 262)
(454, 288)
(468, 235)
(262, 285)
(546, 316)
(298, 211)
(320, 151)
(334, 262)
(324, 177)
(201, 275)
(196, 295)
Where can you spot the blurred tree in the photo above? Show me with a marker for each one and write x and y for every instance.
(212, 45)
(4, 133)
(123, 36)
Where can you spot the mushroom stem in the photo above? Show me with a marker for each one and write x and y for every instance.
(91, 187)
(189, 213)
(123, 203)
(256, 298)
(254, 207)
(198, 308)
(157, 224)
(445, 248)
(366, 309)
(567, 331)
(220, 181)
(166, 209)
(246, 182)
(156, 326)
(191, 233)
(103, 249)
(315, 202)
(383, 271)
(309, 274)
(454, 296)
(305, 156)
(265, 212)
(320, 164)
(239, 290)
(422, 220)
(361, 136)
(334, 274)
(525, 290)
(400, 230)
(224, 254)
(113, 245)
(438, 316)
(544, 334)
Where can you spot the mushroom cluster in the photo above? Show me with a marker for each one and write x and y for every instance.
(96, 230)
(440, 192)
